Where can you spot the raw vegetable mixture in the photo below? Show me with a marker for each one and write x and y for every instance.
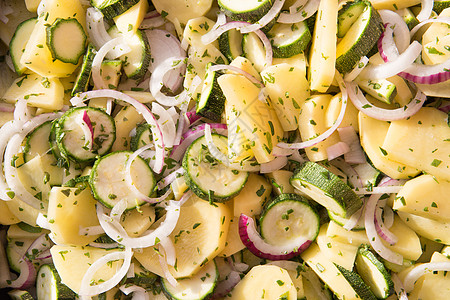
(257, 149)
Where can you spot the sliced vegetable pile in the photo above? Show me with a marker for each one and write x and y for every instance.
(258, 149)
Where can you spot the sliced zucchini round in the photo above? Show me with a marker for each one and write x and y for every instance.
(373, 273)
(107, 179)
(326, 188)
(18, 42)
(199, 286)
(348, 15)
(359, 39)
(49, 286)
(361, 289)
(342, 221)
(20, 295)
(112, 8)
(230, 44)
(287, 218)
(212, 101)
(289, 39)
(142, 137)
(82, 81)
(208, 178)
(66, 40)
(37, 141)
(254, 50)
(71, 140)
(248, 10)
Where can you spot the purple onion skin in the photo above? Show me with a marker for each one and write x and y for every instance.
(243, 225)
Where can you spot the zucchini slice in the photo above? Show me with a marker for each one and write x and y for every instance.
(230, 44)
(289, 218)
(374, 273)
(348, 15)
(248, 10)
(208, 178)
(359, 39)
(381, 89)
(289, 39)
(142, 137)
(212, 101)
(71, 139)
(199, 286)
(254, 50)
(342, 221)
(18, 42)
(409, 18)
(440, 5)
(66, 40)
(82, 81)
(361, 289)
(326, 188)
(113, 8)
(107, 179)
(49, 286)
(20, 295)
(136, 62)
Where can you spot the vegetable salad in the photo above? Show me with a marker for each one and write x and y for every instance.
(259, 149)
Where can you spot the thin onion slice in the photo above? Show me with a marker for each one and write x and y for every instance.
(170, 178)
(167, 275)
(421, 270)
(153, 22)
(357, 70)
(329, 131)
(379, 190)
(355, 155)
(224, 287)
(401, 30)
(336, 150)
(307, 11)
(169, 251)
(6, 132)
(139, 293)
(374, 239)
(141, 108)
(399, 288)
(21, 113)
(26, 278)
(253, 241)
(247, 75)
(354, 219)
(367, 108)
(266, 19)
(274, 165)
(96, 29)
(382, 231)
(85, 124)
(425, 12)
(90, 290)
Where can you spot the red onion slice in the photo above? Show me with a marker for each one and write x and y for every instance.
(224, 287)
(86, 289)
(274, 165)
(253, 241)
(170, 178)
(421, 270)
(7, 107)
(307, 11)
(329, 131)
(382, 230)
(191, 117)
(85, 124)
(336, 150)
(355, 155)
(166, 124)
(363, 105)
(141, 108)
(401, 30)
(181, 119)
(374, 239)
(271, 14)
(26, 278)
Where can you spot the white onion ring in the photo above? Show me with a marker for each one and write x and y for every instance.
(354, 219)
(336, 150)
(367, 108)
(153, 22)
(141, 108)
(355, 155)
(96, 28)
(274, 165)
(401, 30)
(166, 124)
(266, 19)
(6, 132)
(350, 76)
(381, 229)
(421, 270)
(308, 10)
(139, 293)
(329, 131)
(22, 113)
(425, 12)
(374, 239)
(247, 75)
(169, 250)
(26, 278)
(87, 290)
(398, 287)
(167, 275)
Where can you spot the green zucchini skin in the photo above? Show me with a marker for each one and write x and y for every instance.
(337, 195)
(49, 285)
(113, 8)
(230, 44)
(19, 41)
(231, 10)
(357, 283)
(82, 81)
(289, 48)
(211, 102)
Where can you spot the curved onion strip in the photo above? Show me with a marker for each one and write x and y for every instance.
(153, 22)
(42, 221)
(393, 67)
(274, 165)
(436, 20)
(90, 290)
(26, 278)
(85, 124)
(401, 30)
(39, 245)
(139, 293)
(271, 14)
(363, 105)
(357, 70)
(355, 155)
(217, 154)
(308, 10)
(166, 124)
(225, 286)
(382, 230)
(354, 219)
(277, 151)
(297, 5)
(169, 250)
(141, 108)
(379, 190)
(374, 239)
(182, 120)
(115, 231)
(267, 46)
(247, 75)
(12, 149)
(21, 112)
(386, 44)
(118, 42)
(167, 275)
(398, 287)
(7, 107)
(425, 12)
(421, 270)
(253, 241)
(193, 134)
(329, 131)
(336, 150)
(170, 178)
(96, 27)
(6, 132)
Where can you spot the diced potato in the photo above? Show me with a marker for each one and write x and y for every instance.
(280, 181)
(195, 29)
(437, 30)
(245, 65)
(42, 92)
(333, 110)
(126, 119)
(199, 236)
(32, 175)
(6, 216)
(129, 21)
(287, 88)
(252, 197)
(372, 133)
(437, 231)
(233, 243)
(436, 285)
(181, 11)
(32, 5)
(404, 142)
(298, 61)
(312, 123)
(70, 209)
(137, 221)
(393, 4)
(23, 211)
